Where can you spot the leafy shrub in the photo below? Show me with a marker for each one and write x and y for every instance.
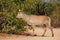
(2, 20)
(18, 23)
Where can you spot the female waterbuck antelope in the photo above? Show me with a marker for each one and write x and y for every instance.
(34, 20)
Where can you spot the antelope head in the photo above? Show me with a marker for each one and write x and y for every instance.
(20, 14)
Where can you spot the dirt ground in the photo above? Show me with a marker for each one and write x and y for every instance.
(38, 31)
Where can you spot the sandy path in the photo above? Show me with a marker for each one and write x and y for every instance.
(38, 31)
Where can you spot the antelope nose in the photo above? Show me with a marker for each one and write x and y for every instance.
(16, 16)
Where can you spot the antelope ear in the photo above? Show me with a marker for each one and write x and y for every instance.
(19, 10)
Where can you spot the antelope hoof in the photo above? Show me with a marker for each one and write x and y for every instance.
(35, 35)
(42, 35)
(53, 35)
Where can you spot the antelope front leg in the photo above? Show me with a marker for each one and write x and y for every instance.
(45, 29)
(33, 30)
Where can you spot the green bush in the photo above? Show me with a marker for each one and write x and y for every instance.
(18, 23)
(2, 20)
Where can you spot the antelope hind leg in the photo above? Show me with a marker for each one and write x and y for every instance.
(51, 31)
